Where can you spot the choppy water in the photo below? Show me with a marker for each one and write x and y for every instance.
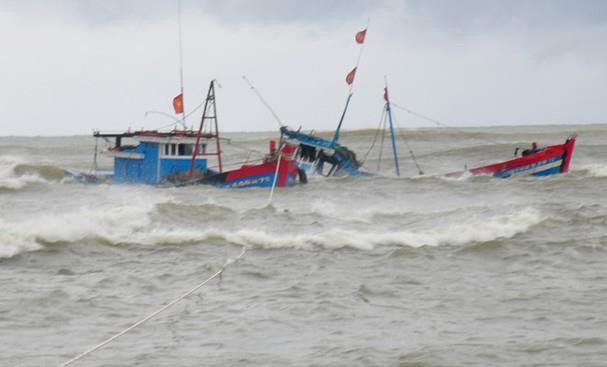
(412, 271)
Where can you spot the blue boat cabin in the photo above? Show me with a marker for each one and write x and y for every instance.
(157, 158)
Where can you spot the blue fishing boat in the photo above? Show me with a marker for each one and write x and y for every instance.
(181, 157)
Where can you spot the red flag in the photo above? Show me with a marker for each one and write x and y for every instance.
(386, 94)
(360, 36)
(178, 103)
(350, 77)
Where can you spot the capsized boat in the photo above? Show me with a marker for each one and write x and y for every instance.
(317, 155)
(321, 156)
(181, 157)
(553, 159)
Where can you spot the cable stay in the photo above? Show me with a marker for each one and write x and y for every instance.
(441, 124)
(379, 128)
(411, 153)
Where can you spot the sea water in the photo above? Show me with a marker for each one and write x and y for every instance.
(417, 270)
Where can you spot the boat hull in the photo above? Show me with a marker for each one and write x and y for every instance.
(554, 159)
(261, 175)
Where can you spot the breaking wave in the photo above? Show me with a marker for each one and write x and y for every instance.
(45, 171)
(16, 175)
(593, 170)
(481, 230)
(128, 225)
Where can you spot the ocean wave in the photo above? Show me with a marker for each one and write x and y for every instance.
(473, 230)
(132, 225)
(176, 209)
(12, 244)
(592, 170)
(16, 175)
(112, 224)
(46, 171)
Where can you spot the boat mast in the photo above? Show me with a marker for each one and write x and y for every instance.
(209, 113)
(341, 120)
(360, 39)
(181, 64)
(389, 113)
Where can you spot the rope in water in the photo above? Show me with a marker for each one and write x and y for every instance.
(275, 175)
(150, 316)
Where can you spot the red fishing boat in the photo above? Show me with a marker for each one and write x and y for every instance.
(550, 160)
(277, 169)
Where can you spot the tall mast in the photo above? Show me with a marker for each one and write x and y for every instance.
(360, 39)
(341, 120)
(209, 113)
(181, 64)
(389, 113)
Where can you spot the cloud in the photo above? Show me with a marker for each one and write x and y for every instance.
(71, 66)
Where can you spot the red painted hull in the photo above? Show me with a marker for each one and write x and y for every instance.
(553, 159)
(263, 174)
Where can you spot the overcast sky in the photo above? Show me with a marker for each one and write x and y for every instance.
(71, 66)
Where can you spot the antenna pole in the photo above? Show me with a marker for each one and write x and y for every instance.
(181, 63)
(389, 113)
(263, 100)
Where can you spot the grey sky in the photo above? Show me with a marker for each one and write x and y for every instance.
(68, 67)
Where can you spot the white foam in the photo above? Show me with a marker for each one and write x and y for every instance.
(11, 243)
(8, 178)
(480, 229)
(473, 230)
(128, 221)
(595, 169)
(115, 223)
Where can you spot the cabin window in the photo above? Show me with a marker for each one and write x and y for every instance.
(166, 149)
(186, 149)
(173, 149)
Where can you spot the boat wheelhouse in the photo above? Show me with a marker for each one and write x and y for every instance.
(157, 157)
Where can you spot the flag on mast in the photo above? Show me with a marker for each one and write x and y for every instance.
(386, 94)
(360, 36)
(350, 76)
(178, 103)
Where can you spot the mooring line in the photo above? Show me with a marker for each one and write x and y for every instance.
(150, 316)
(275, 175)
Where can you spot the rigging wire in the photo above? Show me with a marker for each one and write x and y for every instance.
(441, 124)
(381, 120)
(412, 155)
(381, 145)
(177, 121)
(265, 103)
